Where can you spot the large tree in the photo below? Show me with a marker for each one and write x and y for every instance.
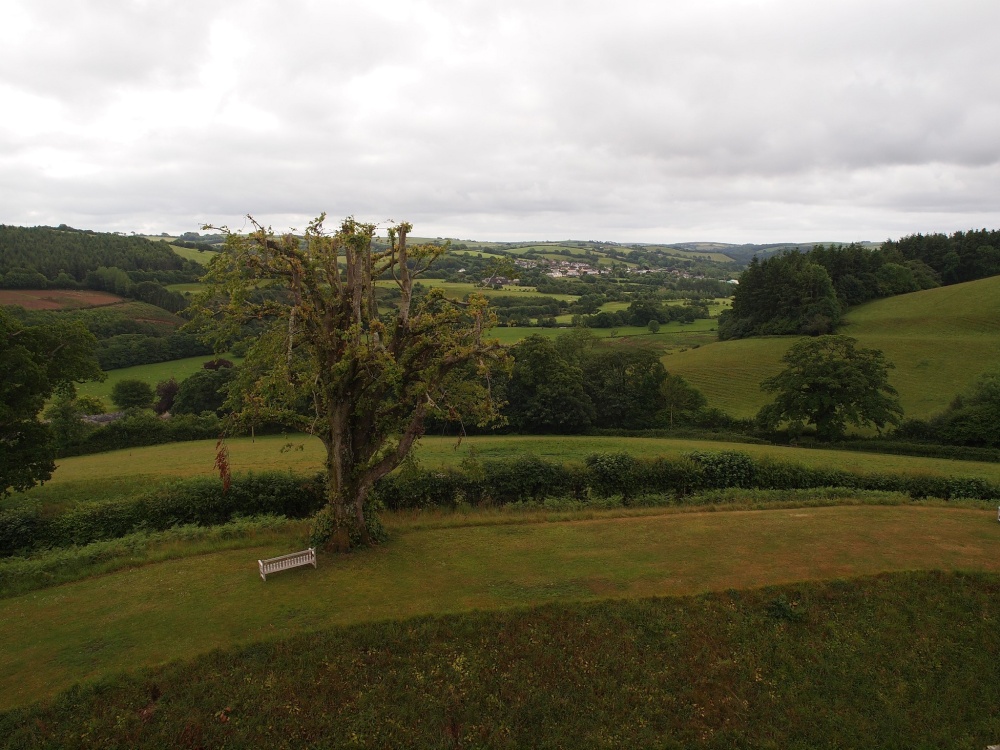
(330, 364)
(786, 293)
(830, 382)
(546, 391)
(35, 362)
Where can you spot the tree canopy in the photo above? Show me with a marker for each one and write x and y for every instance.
(35, 362)
(328, 362)
(546, 391)
(830, 382)
(784, 294)
(972, 418)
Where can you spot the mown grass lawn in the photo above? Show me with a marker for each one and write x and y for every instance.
(181, 608)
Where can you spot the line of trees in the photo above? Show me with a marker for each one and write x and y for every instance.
(806, 293)
(39, 257)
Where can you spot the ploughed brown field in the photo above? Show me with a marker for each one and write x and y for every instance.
(57, 299)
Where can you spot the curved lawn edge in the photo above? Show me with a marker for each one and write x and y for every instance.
(180, 608)
(893, 660)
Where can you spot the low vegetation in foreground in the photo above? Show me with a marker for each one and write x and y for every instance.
(894, 661)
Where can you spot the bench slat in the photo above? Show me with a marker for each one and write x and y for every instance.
(285, 562)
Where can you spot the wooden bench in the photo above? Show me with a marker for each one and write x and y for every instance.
(284, 562)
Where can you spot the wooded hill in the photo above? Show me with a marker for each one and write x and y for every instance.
(37, 257)
(808, 292)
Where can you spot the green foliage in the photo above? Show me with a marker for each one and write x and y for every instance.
(614, 474)
(193, 501)
(139, 428)
(724, 469)
(624, 386)
(327, 363)
(546, 392)
(829, 382)
(51, 252)
(962, 256)
(166, 392)
(324, 525)
(605, 475)
(204, 391)
(787, 293)
(35, 363)
(681, 401)
(132, 394)
(973, 418)
(65, 418)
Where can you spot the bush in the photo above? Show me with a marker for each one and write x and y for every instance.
(132, 394)
(191, 501)
(724, 469)
(614, 474)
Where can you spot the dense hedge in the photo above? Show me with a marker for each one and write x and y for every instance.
(191, 501)
(492, 482)
(142, 428)
(603, 475)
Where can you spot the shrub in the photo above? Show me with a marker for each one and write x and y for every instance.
(724, 468)
(614, 474)
(132, 394)
(198, 501)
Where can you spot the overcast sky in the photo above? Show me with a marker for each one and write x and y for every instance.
(627, 120)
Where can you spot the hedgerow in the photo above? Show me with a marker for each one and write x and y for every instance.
(201, 501)
(526, 479)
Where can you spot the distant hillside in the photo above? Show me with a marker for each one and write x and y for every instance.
(36, 257)
(939, 339)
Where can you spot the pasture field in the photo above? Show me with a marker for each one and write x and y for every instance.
(198, 256)
(304, 454)
(180, 608)
(939, 340)
(191, 287)
(152, 374)
(57, 299)
(462, 289)
(670, 334)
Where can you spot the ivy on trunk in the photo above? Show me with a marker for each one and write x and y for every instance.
(334, 357)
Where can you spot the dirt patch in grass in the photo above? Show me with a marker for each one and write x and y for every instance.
(57, 299)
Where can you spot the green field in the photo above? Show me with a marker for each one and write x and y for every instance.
(196, 458)
(192, 287)
(940, 340)
(152, 374)
(184, 607)
(198, 256)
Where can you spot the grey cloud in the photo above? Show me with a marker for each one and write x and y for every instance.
(658, 121)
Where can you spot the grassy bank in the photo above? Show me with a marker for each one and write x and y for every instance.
(180, 608)
(939, 339)
(897, 661)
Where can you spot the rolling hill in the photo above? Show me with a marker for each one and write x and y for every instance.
(940, 341)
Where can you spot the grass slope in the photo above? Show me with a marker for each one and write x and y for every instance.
(940, 340)
(152, 374)
(898, 661)
(185, 607)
